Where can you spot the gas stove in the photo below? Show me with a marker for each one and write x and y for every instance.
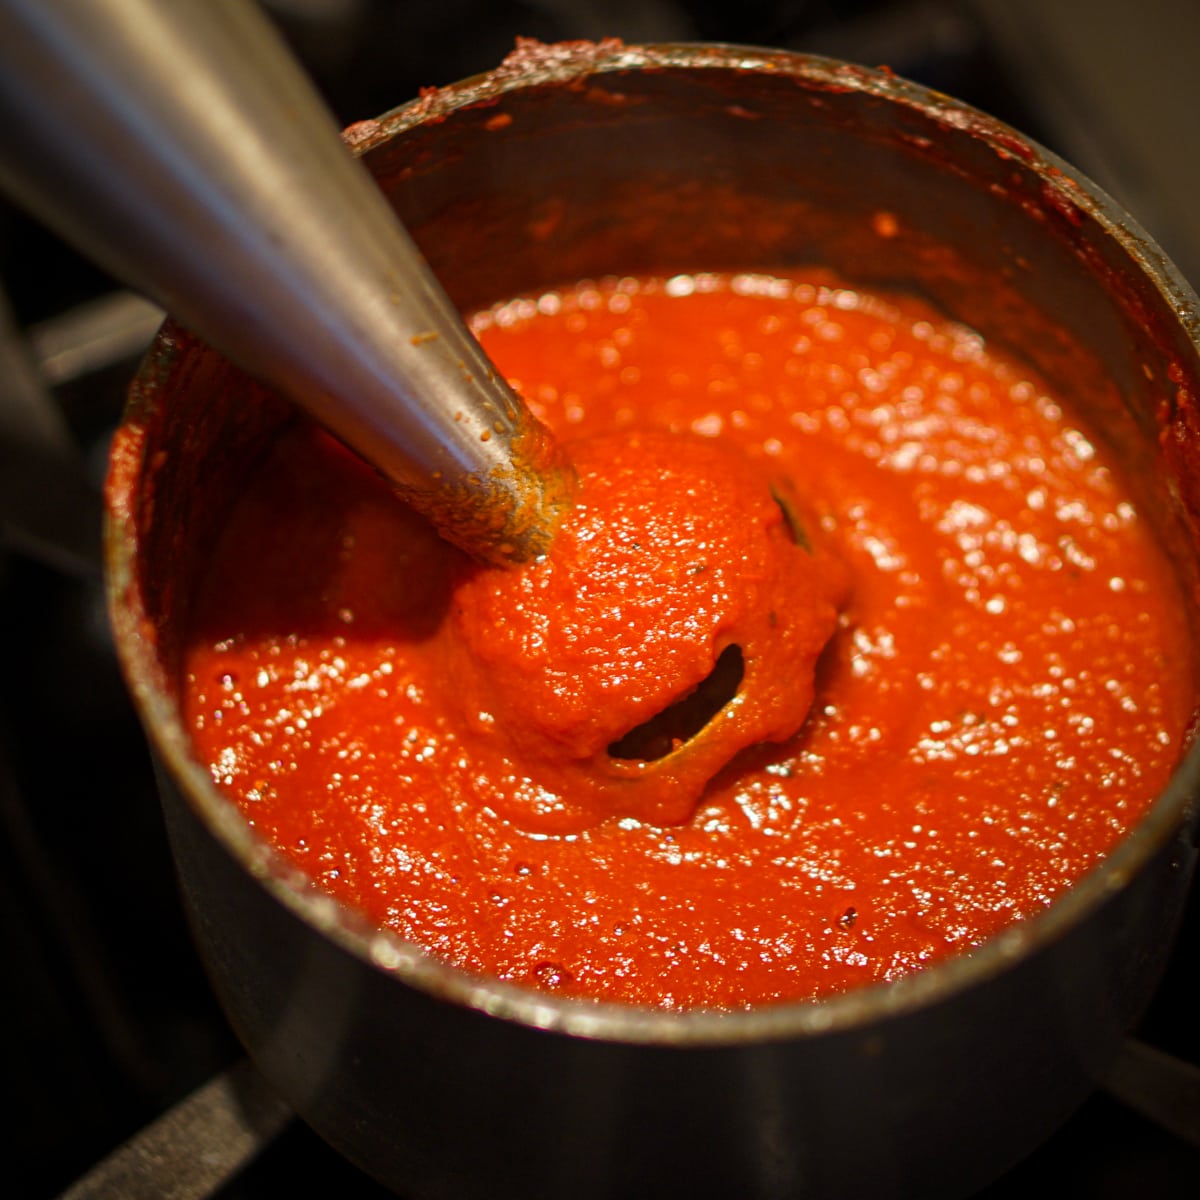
(111, 1023)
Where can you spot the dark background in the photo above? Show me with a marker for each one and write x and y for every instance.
(107, 1017)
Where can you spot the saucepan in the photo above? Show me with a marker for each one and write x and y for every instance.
(597, 160)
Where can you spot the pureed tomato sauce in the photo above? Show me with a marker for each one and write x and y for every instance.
(1002, 692)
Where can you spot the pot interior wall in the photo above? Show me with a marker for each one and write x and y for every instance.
(681, 170)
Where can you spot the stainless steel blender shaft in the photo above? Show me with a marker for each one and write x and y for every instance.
(178, 143)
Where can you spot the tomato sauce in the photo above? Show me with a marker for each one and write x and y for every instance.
(962, 663)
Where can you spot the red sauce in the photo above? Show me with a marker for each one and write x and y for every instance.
(961, 646)
(677, 549)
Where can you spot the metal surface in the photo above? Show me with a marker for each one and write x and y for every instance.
(94, 336)
(194, 1147)
(49, 508)
(181, 146)
(927, 1087)
(1159, 1086)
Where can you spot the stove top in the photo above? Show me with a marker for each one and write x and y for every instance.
(111, 1022)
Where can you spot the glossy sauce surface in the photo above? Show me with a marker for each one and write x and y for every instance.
(1004, 689)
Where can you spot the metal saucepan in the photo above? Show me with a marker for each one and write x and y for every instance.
(595, 160)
